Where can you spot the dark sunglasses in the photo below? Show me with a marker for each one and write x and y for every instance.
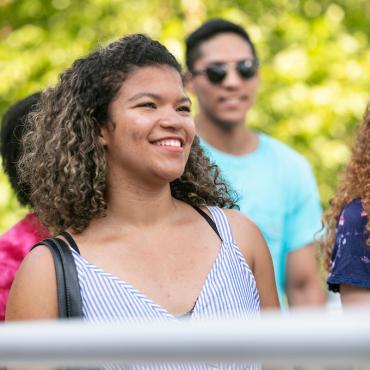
(217, 72)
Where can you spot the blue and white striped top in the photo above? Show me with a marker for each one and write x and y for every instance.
(229, 291)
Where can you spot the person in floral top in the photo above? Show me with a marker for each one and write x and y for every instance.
(18, 240)
(347, 242)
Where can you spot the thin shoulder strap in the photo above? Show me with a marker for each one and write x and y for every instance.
(68, 289)
(70, 240)
(222, 223)
(209, 220)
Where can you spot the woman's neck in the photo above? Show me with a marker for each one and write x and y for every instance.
(133, 204)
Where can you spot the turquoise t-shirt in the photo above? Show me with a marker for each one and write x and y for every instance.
(277, 190)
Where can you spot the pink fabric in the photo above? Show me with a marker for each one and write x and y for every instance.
(14, 245)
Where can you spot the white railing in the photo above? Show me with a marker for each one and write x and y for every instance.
(301, 338)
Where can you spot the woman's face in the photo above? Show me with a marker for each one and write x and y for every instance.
(151, 129)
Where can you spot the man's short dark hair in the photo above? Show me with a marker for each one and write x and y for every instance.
(208, 30)
(11, 133)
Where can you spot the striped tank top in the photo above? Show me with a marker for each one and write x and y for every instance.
(229, 291)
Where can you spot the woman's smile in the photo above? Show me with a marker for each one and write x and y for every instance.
(170, 144)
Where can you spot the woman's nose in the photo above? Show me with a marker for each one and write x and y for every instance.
(171, 118)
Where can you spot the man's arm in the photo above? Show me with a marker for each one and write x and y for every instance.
(303, 283)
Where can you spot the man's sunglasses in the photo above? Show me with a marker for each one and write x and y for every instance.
(217, 72)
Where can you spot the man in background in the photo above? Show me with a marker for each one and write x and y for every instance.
(16, 242)
(276, 186)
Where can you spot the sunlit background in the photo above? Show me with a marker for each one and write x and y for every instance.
(315, 61)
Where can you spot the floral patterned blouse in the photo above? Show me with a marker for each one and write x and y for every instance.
(351, 255)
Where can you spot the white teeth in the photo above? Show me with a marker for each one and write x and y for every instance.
(232, 100)
(172, 142)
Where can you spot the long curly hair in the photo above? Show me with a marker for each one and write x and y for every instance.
(64, 162)
(355, 183)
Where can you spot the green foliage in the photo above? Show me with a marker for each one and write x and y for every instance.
(315, 62)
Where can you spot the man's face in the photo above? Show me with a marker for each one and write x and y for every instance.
(227, 102)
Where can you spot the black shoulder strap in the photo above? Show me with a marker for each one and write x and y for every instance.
(70, 240)
(208, 219)
(68, 289)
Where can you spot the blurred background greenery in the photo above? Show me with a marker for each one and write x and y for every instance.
(315, 62)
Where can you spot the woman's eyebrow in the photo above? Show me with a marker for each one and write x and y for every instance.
(184, 99)
(144, 94)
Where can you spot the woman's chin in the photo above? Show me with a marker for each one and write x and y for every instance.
(169, 177)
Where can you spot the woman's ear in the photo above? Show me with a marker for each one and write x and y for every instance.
(104, 136)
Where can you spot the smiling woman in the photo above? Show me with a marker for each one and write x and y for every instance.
(154, 121)
(123, 173)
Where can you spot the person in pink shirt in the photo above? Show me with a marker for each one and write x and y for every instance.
(16, 242)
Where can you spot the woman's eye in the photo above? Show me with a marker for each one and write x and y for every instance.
(184, 108)
(146, 105)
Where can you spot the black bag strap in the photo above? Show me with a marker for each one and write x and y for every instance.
(208, 219)
(68, 289)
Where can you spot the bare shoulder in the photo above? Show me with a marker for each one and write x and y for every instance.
(246, 234)
(33, 294)
(238, 219)
(254, 248)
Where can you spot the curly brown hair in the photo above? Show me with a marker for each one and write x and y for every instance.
(355, 183)
(64, 161)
